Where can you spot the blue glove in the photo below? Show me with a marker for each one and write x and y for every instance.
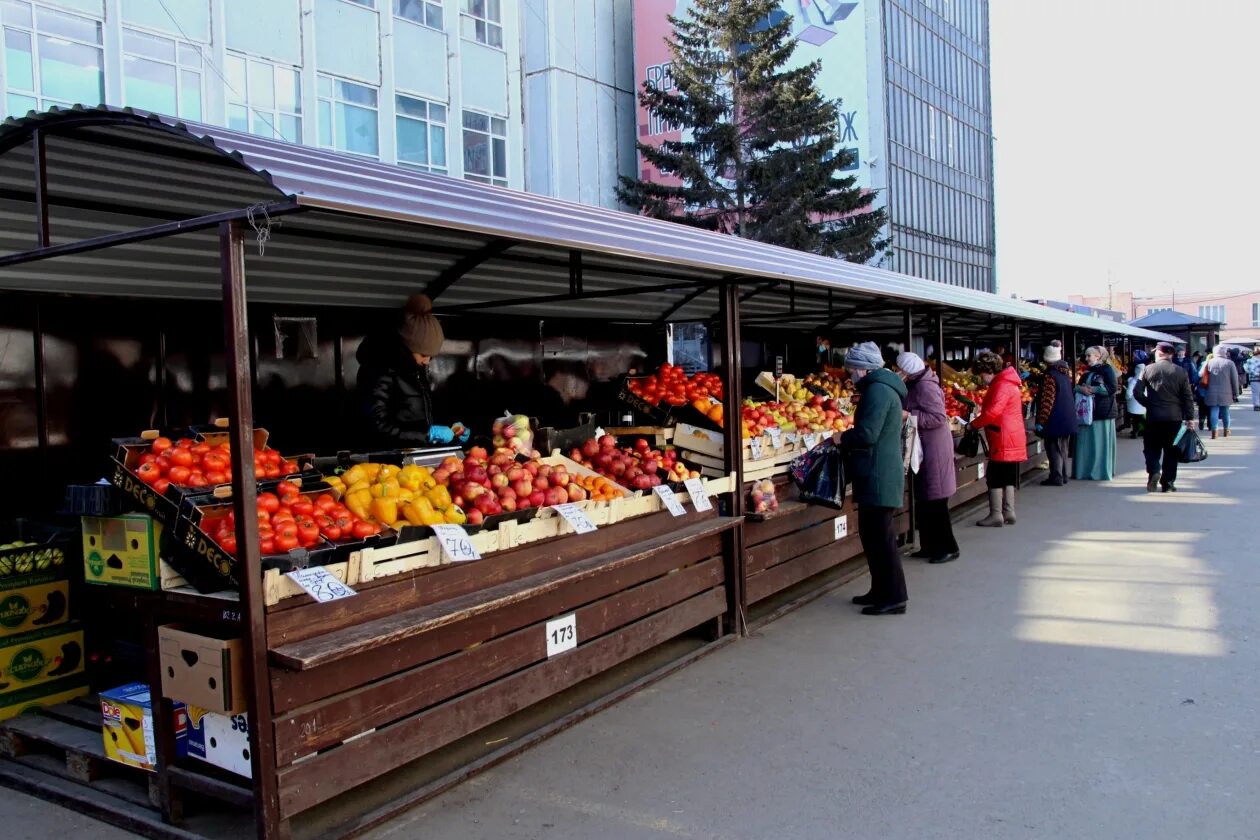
(1039, 428)
(1024, 374)
(461, 432)
(441, 434)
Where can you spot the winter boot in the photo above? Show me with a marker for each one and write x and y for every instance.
(994, 519)
(1008, 504)
(1152, 482)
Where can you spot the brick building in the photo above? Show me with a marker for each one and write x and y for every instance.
(1238, 312)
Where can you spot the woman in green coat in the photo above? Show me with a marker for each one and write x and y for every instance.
(873, 454)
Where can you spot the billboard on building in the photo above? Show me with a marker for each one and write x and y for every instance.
(831, 31)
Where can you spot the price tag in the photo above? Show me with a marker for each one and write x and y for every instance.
(320, 584)
(456, 543)
(791, 438)
(980, 470)
(670, 501)
(811, 440)
(754, 447)
(576, 517)
(778, 366)
(561, 634)
(699, 498)
(776, 437)
(842, 527)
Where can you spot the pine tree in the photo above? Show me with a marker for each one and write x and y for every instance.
(760, 154)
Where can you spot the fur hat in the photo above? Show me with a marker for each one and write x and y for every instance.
(1053, 353)
(420, 329)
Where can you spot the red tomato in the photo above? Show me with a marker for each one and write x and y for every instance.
(344, 521)
(269, 502)
(289, 467)
(148, 458)
(160, 445)
(363, 529)
(216, 477)
(149, 473)
(228, 544)
(284, 544)
(201, 448)
(181, 457)
(160, 485)
(268, 545)
(330, 532)
(185, 443)
(197, 480)
(303, 507)
(272, 472)
(179, 475)
(308, 532)
(325, 502)
(214, 462)
(285, 530)
(288, 489)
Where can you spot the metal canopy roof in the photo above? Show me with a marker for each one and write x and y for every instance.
(364, 233)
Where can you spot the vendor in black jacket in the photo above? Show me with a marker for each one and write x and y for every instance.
(395, 398)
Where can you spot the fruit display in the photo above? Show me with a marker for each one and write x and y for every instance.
(395, 496)
(834, 386)
(512, 431)
(638, 466)
(187, 463)
(672, 386)
(818, 414)
(20, 557)
(763, 497)
(289, 519)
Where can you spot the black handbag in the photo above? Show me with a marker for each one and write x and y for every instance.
(1190, 448)
(971, 444)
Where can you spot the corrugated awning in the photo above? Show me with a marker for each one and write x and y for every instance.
(366, 233)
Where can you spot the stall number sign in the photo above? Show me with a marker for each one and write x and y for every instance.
(320, 584)
(842, 527)
(811, 440)
(776, 437)
(667, 497)
(561, 634)
(456, 543)
(980, 470)
(699, 498)
(754, 447)
(576, 517)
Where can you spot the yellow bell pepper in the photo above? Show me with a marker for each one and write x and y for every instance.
(387, 471)
(454, 516)
(354, 475)
(405, 495)
(372, 471)
(359, 502)
(385, 511)
(361, 484)
(409, 477)
(433, 517)
(413, 514)
(385, 489)
(440, 497)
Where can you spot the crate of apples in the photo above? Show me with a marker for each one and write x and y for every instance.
(638, 466)
(486, 485)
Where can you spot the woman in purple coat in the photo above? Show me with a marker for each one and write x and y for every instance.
(936, 480)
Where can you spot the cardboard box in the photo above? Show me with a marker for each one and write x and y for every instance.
(44, 696)
(127, 726)
(221, 740)
(31, 547)
(40, 656)
(31, 602)
(201, 670)
(122, 550)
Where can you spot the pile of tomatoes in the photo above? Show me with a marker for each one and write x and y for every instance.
(289, 519)
(671, 385)
(190, 463)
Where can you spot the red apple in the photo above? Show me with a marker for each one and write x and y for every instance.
(475, 517)
(590, 448)
(641, 445)
(541, 483)
(607, 442)
(477, 474)
(515, 474)
(618, 467)
(537, 498)
(499, 480)
(523, 488)
(576, 493)
(650, 467)
(441, 475)
(531, 467)
(478, 452)
(557, 496)
(559, 479)
(641, 482)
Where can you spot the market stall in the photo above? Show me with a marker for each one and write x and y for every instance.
(361, 662)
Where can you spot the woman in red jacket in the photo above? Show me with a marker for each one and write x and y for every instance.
(1002, 419)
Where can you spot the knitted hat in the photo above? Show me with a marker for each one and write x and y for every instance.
(420, 329)
(864, 356)
(909, 363)
(1053, 353)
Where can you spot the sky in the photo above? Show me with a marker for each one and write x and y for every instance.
(1127, 145)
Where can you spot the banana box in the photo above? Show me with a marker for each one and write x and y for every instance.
(127, 726)
(221, 740)
(43, 696)
(40, 656)
(122, 550)
(32, 602)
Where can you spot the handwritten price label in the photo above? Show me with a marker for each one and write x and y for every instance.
(755, 448)
(699, 498)
(576, 517)
(320, 584)
(776, 437)
(456, 543)
(791, 438)
(668, 499)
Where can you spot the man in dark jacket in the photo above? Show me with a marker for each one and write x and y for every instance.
(1056, 413)
(873, 450)
(1165, 391)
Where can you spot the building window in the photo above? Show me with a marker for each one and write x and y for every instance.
(264, 98)
(485, 148)
(51, 58)
(371, 4)
(425, 12)
(1255, 314)
(482, 21)
(347, 116)
(1153, 310)
(161, 74)
(421, 129)
(1213, 313)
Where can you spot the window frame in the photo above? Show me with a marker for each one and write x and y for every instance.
(34, 33)
(440, 5)
(429, 124)
(273, 112)
(486, 21)
(333, 101)
(176, 63)
(492, 178)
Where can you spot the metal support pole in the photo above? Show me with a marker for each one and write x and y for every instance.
(1070, 355)
(41, 188)
(244, 500)
(940, 348)
(733, 455)
(1015, 339)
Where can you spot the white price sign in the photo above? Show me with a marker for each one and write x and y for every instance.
(980, 470)
(791, 438)
(320, 584)
(776, 437)
(811, 440)
(842, 527)
(456, 543)
(561, 634)
(699, 498)
(668, 499)
(754, 447)
(576, 517)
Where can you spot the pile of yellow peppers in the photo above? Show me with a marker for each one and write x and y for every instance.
(391, 495)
